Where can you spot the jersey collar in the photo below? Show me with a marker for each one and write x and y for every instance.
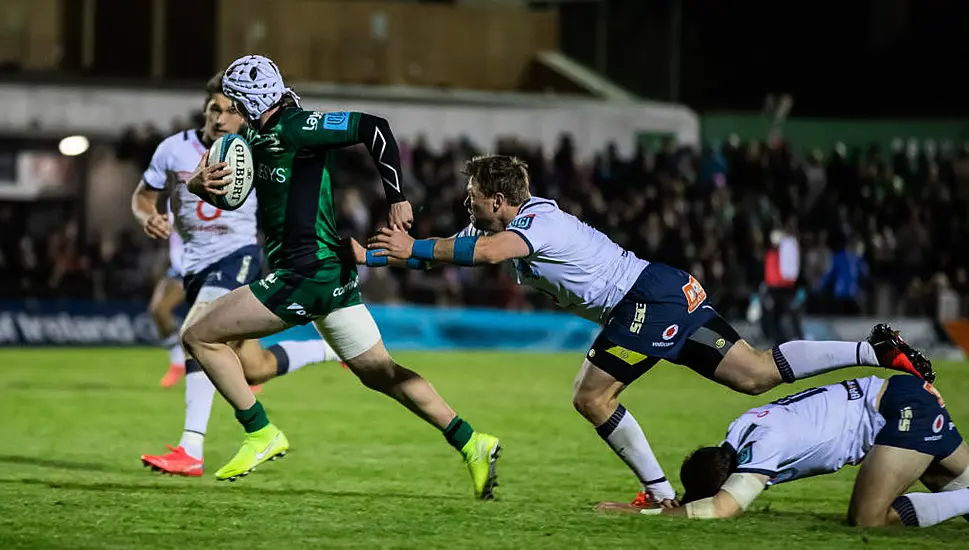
(532, 201)
(197, 137)
(274, 119)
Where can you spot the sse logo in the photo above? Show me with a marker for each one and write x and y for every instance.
(522, 222)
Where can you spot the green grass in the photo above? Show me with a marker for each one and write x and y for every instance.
(363, 473)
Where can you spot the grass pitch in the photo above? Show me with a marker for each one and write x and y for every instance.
(364, 473)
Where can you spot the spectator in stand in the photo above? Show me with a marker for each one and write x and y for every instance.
(842, 284)
(782, 271)
(708, 211)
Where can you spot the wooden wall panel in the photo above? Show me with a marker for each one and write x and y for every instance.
(30, 33)
(385, 42)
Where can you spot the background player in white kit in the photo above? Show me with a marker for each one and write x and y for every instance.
(220, 253)
(168, 295)
(649, 311)
(898, 429)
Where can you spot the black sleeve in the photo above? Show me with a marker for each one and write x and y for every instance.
(375, 134)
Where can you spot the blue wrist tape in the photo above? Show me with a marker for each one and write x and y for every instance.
(376, 261)
(464, 250)
(414, 263)
(423, 249)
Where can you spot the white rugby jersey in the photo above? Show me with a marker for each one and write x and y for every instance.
(209, 234)
(175, 247)
(580, 267)
(816, 431)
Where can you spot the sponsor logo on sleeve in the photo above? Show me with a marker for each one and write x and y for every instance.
(336, 121)
(522, 222)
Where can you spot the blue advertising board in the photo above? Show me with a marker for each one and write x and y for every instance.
(88, 323)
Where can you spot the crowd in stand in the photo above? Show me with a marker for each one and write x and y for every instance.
(899, 214)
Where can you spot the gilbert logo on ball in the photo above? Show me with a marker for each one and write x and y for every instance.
(233, 150)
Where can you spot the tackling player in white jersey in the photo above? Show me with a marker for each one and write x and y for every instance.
(168, 295)
(899, 430)
(220, 253)
(648, 311)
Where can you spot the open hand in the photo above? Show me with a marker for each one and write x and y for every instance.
(209, 180)
(669, 503)
(397, 244)
(157, 226)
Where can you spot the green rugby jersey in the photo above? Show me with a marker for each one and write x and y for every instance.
(292, 183)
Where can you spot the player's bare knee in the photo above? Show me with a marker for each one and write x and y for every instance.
(753, 385)
(259, 365)
(257, 378)
(865, 512)
(869, 517)
(594, 406)
(748, 371)
(746, 382)
(375, 371)
(158, 312)
(853, 520)
(192, 340)
(260, 374)
(188, 339)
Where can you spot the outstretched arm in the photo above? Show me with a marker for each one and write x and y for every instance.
(362, 256)
(375, 134)
(719, 506)
(465, 250)
(341, 129)
(736, 494)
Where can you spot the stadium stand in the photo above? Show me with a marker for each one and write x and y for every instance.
(709, 211)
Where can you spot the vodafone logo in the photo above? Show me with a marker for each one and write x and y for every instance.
(938, 424)
(670, 332)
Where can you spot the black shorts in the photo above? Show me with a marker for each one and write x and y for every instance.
(915, 419)
(665, 315)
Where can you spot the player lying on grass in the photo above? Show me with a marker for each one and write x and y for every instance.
(219, 253)
(311, 279)
(648, 311)
(898, 429)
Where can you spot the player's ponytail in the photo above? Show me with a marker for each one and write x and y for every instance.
(289, 99)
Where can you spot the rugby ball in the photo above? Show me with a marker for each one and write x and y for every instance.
(233, 150)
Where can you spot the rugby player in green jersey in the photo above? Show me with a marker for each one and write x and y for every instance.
(311, 279)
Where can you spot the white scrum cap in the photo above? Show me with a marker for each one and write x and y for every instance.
(255, 82)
